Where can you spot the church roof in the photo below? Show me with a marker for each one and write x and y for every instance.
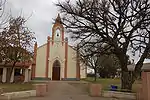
(42, 45)
(72, 47)
(46, 44)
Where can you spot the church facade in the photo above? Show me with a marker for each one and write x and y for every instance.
(56, 59)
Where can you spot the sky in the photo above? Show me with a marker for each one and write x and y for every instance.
(40, 15)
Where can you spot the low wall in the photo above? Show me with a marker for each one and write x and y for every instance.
(119, 95)
(40, 90)
(96, 90)
(18, 95)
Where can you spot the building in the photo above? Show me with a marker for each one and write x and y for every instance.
(20, 73)
(15, 72)
(56, 59)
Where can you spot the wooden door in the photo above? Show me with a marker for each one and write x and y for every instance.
(56, 73)
(56, 70)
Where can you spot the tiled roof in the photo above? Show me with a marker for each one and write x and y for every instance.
(18, 64)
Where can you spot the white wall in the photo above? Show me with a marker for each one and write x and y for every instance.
(41, 61)
(57, 52)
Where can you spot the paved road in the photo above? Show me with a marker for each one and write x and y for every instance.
(64, 91)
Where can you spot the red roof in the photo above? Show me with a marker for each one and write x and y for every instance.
(18, 64)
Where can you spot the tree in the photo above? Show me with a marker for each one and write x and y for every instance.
(122, 24)
(91, 61)
(4, 17)
(17, 43)
(109, 65)
(99, 62)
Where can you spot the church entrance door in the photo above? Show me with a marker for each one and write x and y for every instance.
(56, 70)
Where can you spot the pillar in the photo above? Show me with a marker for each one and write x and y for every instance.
(145, 85)
(26, 78)
(47, 57)
(29, 75)
(62, 71)
(66, 58)
(144, 91)
(4, 75)
(12, 76)
(77, 64)
(34, 61)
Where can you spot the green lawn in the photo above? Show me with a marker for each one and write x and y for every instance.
(18, 86)
(107, 82)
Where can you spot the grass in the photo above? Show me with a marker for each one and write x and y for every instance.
(107, 82)
(14, 87)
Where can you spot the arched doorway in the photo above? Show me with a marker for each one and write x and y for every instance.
(56, 70)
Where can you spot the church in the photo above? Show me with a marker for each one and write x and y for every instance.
(56, 59)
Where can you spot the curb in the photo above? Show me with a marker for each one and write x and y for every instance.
(18, 95)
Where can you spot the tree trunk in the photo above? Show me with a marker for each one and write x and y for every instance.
(9, 72)
(126, 76)
(126, 80)
(95, 76)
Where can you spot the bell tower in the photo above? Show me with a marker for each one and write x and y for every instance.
(58, 30)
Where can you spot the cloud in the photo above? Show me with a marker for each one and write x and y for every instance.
(40, 13)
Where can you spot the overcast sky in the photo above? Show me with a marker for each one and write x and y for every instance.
(43, 12)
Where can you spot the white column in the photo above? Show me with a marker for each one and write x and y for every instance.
(26, 75)
(62, 72)
(4, 75)
(29, 75)
(12, 76)
(50, 69)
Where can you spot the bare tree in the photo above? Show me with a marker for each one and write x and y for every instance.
(17, 43)
(4, 17)
(98, 62)
(91, 61)
(122, 24)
